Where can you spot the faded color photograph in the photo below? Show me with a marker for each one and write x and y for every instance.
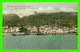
(30, 25)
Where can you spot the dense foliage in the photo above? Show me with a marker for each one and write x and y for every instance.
(68, 19)
(22, 29)
(11, 19)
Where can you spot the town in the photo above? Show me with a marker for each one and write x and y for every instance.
(40, 24)
(42, 30)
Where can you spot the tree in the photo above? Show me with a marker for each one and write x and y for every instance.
(22, 29)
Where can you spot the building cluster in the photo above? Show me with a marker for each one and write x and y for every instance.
(11, 29)
(46, 29)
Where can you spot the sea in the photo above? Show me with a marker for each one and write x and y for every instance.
(25, 42)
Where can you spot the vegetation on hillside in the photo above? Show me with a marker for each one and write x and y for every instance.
(60, 19)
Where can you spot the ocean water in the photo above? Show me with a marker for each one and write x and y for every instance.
(40, 42)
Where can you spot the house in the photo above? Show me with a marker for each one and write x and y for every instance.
(6, 29)
(32, 29)
(17, 29)
(47, 29)
(11, 29)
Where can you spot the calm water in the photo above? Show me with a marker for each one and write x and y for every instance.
(38, 42)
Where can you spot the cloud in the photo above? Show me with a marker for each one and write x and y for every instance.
(21, 13)
(51, 10)
(63, 9)
(46, 10)
(5, 12)
(24, 12)
(8, 12)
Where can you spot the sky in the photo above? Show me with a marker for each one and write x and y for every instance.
(28, 8)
